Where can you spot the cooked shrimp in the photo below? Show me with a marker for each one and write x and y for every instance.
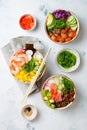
(14, 70)
(17, 61)
(21, 61)
(24, 56)
(22, 51)
(12, 58)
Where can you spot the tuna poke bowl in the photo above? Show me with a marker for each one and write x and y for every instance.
(25, 62)
(62, 26)
(58, 92)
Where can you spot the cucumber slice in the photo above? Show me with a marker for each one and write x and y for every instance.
(73, 21)
(74, 27)
(50, 20)
(70, 18)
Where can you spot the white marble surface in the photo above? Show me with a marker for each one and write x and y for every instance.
(74, 117)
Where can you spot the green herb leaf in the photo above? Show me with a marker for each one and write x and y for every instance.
(30, 65)
(68, 84)
(59, 24)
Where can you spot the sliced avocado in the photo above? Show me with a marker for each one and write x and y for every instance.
(50, 27)
(50, 20)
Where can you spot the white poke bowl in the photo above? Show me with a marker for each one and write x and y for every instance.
(20, 66)
(59, 38)
(67, 98)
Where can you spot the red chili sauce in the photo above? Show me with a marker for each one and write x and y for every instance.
(27, 22)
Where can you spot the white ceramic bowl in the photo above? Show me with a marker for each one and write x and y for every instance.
(77, 31)
(25, 20)
(59, 75)
(73, 68)
(37, 54)
(34, 112)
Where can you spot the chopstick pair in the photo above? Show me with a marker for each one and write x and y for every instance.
(35, 77)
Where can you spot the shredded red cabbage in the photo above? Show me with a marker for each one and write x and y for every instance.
(61, 14)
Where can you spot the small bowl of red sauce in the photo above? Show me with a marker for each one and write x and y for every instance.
(27, 22)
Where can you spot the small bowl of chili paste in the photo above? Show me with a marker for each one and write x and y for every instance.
(68, 60)
(27, 22)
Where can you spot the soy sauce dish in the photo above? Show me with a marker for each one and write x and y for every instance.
(68, 60)
(58, 92)
(29, 112)
(62, 26)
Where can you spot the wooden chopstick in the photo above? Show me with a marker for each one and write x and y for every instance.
(35, 77)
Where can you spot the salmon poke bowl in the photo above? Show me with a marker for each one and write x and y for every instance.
(62, 26)
(24, 64)
(58, 92)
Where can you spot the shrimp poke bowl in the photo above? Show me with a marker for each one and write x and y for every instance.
(58, 92)
(62, 26)
(24, 64)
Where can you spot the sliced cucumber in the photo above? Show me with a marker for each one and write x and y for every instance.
(74, 27)
(70, 18)
(72, 22)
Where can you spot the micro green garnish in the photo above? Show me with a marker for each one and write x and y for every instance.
(59, 24)
(68, 85)
(31, 65)
(66, 59)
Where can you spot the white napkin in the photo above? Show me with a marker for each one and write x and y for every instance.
(14, 45)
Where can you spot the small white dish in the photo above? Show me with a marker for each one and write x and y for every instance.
(73, 68)
(27, 22)
(29, 112)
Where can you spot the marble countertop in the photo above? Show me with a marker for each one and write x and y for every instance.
(72, 118)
